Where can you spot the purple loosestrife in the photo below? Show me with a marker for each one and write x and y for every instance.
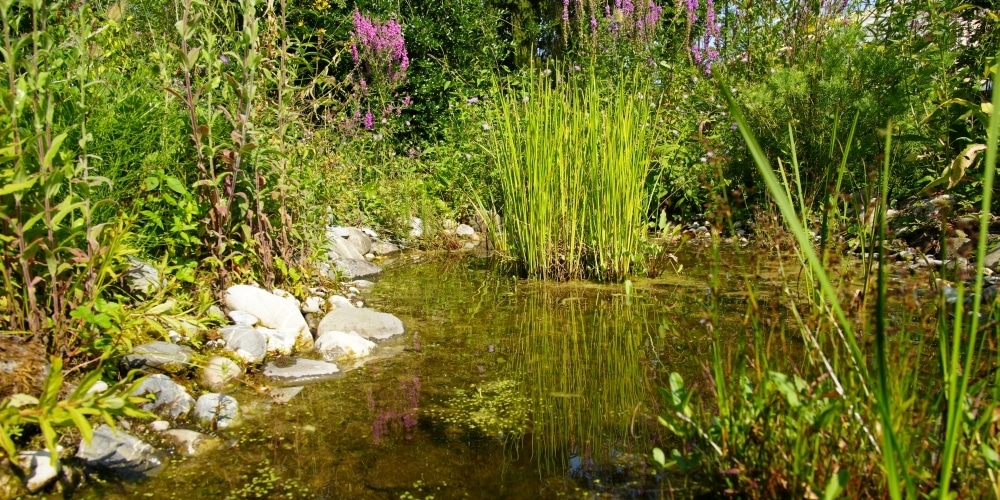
(369, 120)
(380, 46)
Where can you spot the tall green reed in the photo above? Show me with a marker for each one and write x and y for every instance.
(914, 433)
(572, 158)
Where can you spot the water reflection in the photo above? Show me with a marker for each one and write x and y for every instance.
(580, 362)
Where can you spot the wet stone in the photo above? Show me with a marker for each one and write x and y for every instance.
(299, 371)
(122, 454)
(165, 356)
(171, 400)
(216, 411)
(357, 268)
(372, 325)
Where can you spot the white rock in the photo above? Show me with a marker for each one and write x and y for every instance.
(353, 290)
(98, 387)
(334, 344)
(363, 283)
(273, 312)
(278, 342)
(339, 302)
(216, 411)
(313, 304)
(243, 318)
(464, 230)
(249, 344)
(287, 296)
(219, 371)
(159, 425)
(372, 325)
(416, 227)
(39, 468)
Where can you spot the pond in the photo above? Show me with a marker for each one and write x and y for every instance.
(499, 388)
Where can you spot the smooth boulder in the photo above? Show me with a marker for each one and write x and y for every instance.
(248, 343)
(39, 469)
(372, 325)
(216, 411)
(278, 342)
(165, 356)
(171, 400)
(335, 344)
(121, 453)
(299, 371)
(356, 268)
(272, 311)
(219, 371)
(192, 443)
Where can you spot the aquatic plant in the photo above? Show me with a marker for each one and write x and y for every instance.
(861, 413)
(572, 160)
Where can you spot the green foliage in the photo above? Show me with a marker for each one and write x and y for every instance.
(50, 413)
(572, 162)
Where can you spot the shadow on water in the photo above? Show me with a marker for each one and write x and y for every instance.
(500, 388)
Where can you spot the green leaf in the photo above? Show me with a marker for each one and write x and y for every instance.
(53, 149)
(836, 484)
(659, 457)
(151, 183)
(17, 187)
(82, 424)
(989, 455)
(175, 185)
(786, 388)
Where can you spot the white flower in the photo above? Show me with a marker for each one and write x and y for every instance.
(486, 126)
(468, 156)
(703, 159)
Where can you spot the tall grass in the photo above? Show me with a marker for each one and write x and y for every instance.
(572, 160)
(860, 413)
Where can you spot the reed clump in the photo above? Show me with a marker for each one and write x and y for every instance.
(572, 155)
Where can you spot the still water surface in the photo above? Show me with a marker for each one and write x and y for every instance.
(500, 388)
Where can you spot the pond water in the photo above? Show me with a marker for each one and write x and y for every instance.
(500, 388)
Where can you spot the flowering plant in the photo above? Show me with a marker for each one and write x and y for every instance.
(380, 58)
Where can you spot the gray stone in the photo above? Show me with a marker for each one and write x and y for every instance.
(299, 371)
(278, 342)
(121, 453)
(192, 443)
(416, 227)
(313, 304)
(384, 248)
(335, 344)
(171, 399)
(216, 411)
(372, 325)
(165, 356)
(243, 318)
(219, 371)
(357, 268)
(249, 344)
(464, 230)
(348, 242)
(273, 311)
(39, 469)
(339, 302)
(363, 284)
(992, 257)
(142, 277)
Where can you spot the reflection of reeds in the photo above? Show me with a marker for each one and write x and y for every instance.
(581, 368)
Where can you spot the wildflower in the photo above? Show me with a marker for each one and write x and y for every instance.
(577, 68)
(407, 123)
(472, 100)
(593, 23)
(407, 100)
(704, 160)
(224, 59)
(486, 126)
(468, 156)
(733, 126)
(369, 120)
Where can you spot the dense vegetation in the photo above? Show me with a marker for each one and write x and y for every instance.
(218, 139)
